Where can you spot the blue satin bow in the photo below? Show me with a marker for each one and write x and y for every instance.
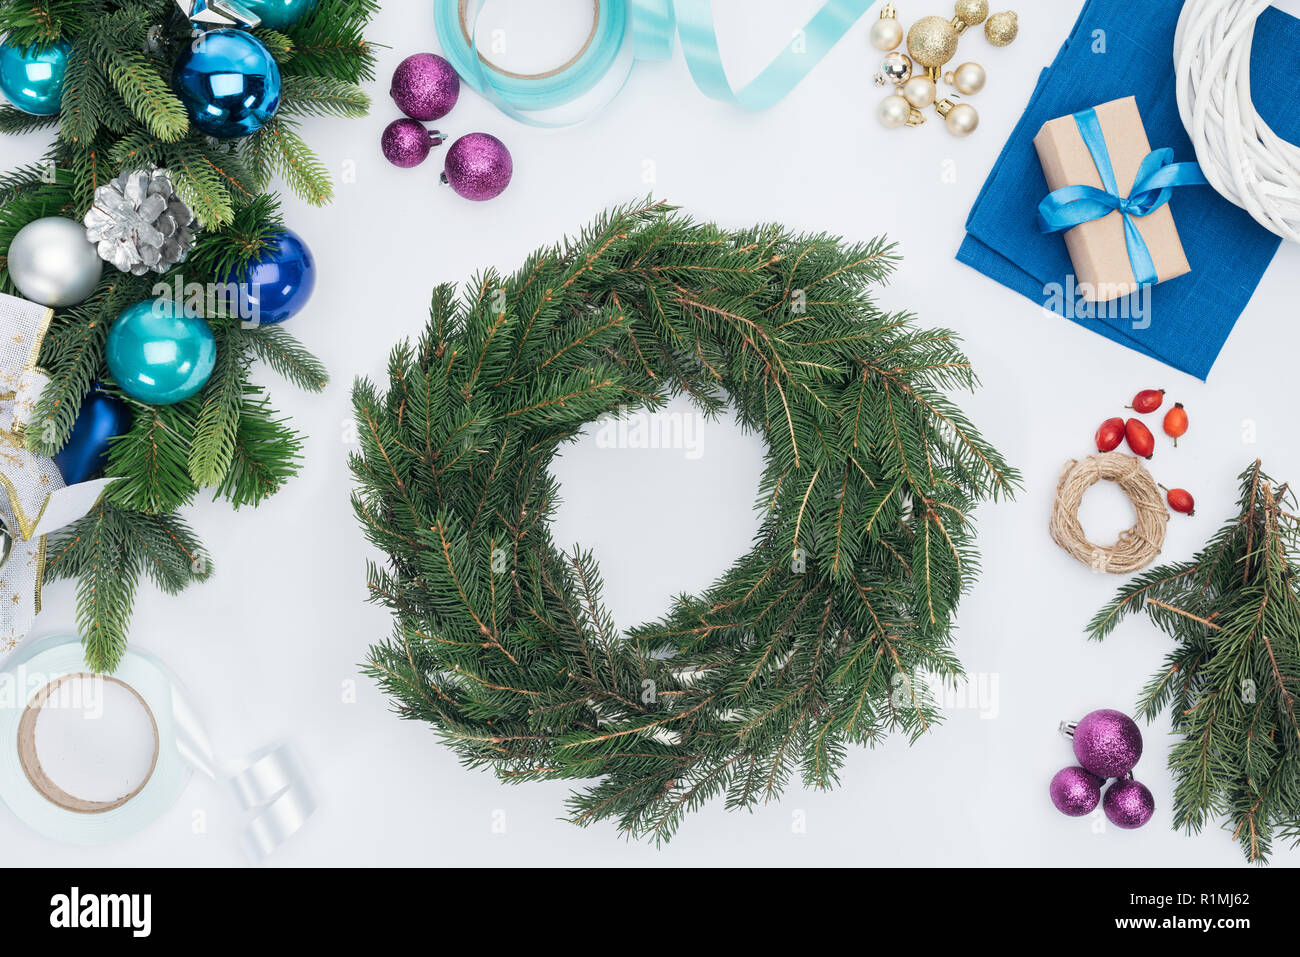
(1157, 176)
(629, 30)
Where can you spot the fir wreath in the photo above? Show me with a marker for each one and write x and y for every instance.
(814, 640)
(119, 113)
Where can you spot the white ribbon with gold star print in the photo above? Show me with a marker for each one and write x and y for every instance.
(33, 499)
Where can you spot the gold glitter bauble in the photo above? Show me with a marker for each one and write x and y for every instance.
(972, 12)
(1002, 28)
(932, 41)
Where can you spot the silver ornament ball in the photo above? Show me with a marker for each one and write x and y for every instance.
(896, 68)
(52, 263)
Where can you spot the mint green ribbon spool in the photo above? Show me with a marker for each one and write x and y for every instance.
(623, 32)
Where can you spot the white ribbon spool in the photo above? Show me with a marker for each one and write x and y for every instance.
(1242, 157)
(270, 786)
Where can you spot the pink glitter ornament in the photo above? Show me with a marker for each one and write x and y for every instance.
(478, 167)
(425, 86)
(406, 143)
(1128, 804)
(1076, 792)
(1107, 743)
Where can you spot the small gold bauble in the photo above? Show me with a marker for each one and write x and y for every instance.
(969, 78)
(920, 91)
(1002, 28)
(972, 12)
(886, 34)
(894, 112)
(961, 118)
(932, 41)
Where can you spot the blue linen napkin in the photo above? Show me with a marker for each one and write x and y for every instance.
(1183, 322)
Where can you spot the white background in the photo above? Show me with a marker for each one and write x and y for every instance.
(270, 647)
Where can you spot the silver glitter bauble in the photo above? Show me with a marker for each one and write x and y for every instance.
(51, 262)
(139, 223)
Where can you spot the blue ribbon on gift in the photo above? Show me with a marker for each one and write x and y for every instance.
(1152, 188)
(626, 31)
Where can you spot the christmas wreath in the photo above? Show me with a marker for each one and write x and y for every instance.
(171, 116)
(825, 633)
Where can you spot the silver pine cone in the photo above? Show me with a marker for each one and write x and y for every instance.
(139, 224)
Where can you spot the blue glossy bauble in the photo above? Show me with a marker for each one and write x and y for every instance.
(278, 14)
(278, 283)
(100, 418)
(159, 353)
(229, 83)
(32, 79)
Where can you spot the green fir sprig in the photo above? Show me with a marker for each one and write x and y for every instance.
(1230, 682)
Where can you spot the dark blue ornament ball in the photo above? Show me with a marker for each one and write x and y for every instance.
(278, 283)
(100, 418)
(229, 83)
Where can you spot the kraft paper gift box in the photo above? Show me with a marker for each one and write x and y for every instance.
(1098, 249)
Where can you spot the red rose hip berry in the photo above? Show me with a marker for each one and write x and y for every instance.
(1140, 439)
(1180, 500)
(1176, 422)
(1110, 435)
(1148, 400)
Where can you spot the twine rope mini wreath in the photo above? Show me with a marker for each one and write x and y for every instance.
(1136, 548)
(1240, 154)
(811, 642)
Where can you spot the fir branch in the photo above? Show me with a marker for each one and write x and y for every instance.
(266, 453)
(217, 423)
(322, 96)
(287, 356)
(1231, 679)
(15, 121)
(149, 97)
(278, 147)
(84, 91)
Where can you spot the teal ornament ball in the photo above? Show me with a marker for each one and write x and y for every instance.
(32, 78)
(159, 353)
(229, 83)
(279, 14)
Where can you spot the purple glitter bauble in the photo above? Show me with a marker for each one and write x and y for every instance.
(478, 166)
(1108, 743)
(425, 86)
(1076, 792)
(1128, 804)
(406, 143)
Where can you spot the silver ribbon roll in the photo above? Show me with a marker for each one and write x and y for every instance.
(271, 785)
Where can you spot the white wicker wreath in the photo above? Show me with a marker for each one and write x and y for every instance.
(1242, 157)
